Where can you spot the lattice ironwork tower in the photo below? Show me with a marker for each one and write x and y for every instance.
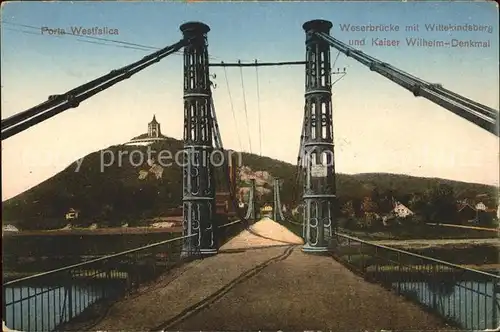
(277, 207)
(252, 208)
(198, 173)
(319, 182)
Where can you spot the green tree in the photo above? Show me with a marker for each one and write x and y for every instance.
(385, 202)
(418, 203)
(369, 205)
(348, 209)
(441, 204)
(375, 195)
(357, 206)
(485, 218)
(106, 214)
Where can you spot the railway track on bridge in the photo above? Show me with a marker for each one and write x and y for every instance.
(214, 297)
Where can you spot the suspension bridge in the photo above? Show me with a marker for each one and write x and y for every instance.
(331, 281)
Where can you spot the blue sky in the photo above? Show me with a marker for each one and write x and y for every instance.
(378, 125)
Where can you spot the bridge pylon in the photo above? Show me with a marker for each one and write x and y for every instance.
(252, 209)
(198, 171)
(277, 208)
(317, 143)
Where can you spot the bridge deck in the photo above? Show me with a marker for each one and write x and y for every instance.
(272, 288)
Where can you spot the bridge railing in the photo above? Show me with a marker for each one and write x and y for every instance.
(229, 230)
(44, 301)
(464, 297)
(81, 292)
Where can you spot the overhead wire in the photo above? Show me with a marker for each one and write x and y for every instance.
(115, 41)
(121, 43)
(336, 58)
(338, 79)
(217, 138)
(258, 108)
(245, 108)
(84, 41)
(333, 66)
(232, 193)
(232, 109)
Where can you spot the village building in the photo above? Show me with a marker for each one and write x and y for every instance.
(9, 228)
(72, 214)
(498, 208)
(370, 219)
(485, 215)
(465, 212)
(157, 170)
(401, 211)
(481, 207)
(266, 211)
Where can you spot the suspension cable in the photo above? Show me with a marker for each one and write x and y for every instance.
(215, 124)
(258, 108)
(232, 109)
(300, 163)
(435, 87)
(56, 100)
(481, 115)
(227, 176)
(71, 99)
(245, 107)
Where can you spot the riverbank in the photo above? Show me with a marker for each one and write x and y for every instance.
(38, 253)
(97, 231)
(490, 268)
(422, 231)
(429, 243)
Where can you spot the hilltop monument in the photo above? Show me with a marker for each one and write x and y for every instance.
(153, 135)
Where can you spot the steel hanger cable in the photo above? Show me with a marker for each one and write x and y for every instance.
(246, 111)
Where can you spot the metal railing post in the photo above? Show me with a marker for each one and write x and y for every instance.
(495, 304)
(4, 303)
(399, 273)
(435, 282)
(68, 290)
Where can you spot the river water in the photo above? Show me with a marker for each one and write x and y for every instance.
(44, 308)
(469, 303)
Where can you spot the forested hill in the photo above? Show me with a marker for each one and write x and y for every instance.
(125, 191)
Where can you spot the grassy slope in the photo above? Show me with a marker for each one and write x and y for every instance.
(120, 192)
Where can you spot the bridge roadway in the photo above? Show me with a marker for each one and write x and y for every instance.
(256, 283)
